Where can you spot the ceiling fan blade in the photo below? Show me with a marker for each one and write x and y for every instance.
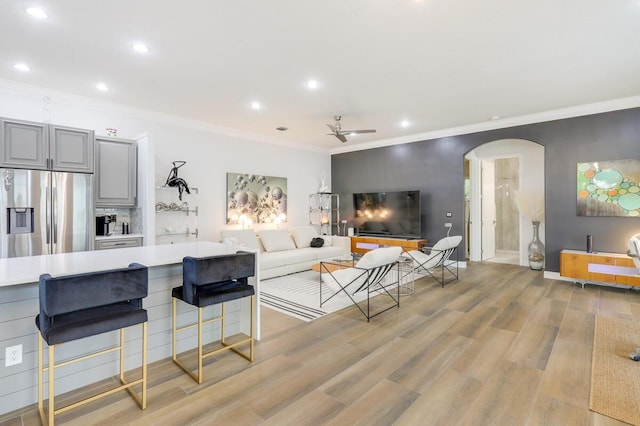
(357, 132)
(341, 137)
(333, 128)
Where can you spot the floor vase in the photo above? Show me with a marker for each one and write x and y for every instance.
(536, 249)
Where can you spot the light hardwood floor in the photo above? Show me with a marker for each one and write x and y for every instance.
(501, 346)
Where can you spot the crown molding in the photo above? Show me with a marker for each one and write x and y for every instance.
(557, 114)
(37, 92)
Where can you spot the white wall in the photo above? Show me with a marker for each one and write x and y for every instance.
(210, 151)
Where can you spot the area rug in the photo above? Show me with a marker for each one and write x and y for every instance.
(615, 378)
(298, 295)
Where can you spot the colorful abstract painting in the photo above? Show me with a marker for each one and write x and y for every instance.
(609, 188)
(256, 199)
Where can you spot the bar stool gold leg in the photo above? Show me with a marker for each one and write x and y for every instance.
(40, 381)
(252, 328)
(222, 324)
(144, 365)
(122, 355)
(51, 367)
(174, 328)
(200, 345)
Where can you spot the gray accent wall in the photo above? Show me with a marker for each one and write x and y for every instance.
(435, 167)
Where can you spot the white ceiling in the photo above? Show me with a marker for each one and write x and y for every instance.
(437, 63)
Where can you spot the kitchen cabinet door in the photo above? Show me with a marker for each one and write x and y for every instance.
(116, 172)
(24, 145)
(71, 149)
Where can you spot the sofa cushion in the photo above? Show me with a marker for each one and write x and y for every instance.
(302, 235)
(323, 253)
(274, 259)
(276, 240)
(245, 237)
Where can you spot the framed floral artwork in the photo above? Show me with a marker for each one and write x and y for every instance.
(256, 199)
(609, 188)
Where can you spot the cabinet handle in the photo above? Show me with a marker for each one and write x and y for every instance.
(120, 244)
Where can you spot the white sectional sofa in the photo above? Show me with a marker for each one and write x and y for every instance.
(287, 251)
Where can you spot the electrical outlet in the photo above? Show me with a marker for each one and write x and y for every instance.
(13, 355)
(448, 224)
(449, 214)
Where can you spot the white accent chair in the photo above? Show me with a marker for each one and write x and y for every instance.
(436, 261)
(370, 274)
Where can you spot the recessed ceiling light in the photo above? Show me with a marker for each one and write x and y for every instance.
(36, 12)
(312, 84)
(496, 117)
(404, 123)
(22, 67)
(102, 87)
(140, 47)
(255, 105)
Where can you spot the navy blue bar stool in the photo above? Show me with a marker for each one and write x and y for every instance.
(210, 281)
(76, 306)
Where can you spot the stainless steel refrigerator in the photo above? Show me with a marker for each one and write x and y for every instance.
(43, 212)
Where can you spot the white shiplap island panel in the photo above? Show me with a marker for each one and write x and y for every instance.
(19, 305)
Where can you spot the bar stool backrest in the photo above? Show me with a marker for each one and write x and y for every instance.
(71, 293)
(211, 270)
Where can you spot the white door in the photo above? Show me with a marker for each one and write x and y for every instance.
(488, 209)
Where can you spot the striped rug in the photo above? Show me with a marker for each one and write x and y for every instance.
(298, 295)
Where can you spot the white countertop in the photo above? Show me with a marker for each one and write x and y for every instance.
(117, 236)
(21, 270)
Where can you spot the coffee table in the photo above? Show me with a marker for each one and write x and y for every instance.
(333, 265)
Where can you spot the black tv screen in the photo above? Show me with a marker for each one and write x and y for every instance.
(394, 213)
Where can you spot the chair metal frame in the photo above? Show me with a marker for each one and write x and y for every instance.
(444, 264)
(225, 346)
(373, 284)
(49, 416)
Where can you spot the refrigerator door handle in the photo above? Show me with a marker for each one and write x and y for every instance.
(48, 214)
(54, 214)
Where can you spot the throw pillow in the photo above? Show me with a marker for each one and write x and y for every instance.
(302, 235)
(276, 240)
(316, 242)
(244, 237)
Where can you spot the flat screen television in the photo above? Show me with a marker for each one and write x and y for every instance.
(392, 213)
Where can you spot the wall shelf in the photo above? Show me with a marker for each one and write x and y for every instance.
(176, 220)
(324, 212)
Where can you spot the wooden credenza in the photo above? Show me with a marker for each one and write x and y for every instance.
(364, 244)
(613, 268)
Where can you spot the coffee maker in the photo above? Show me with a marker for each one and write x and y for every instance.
(102, 224)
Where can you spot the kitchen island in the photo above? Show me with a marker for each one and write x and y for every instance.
(19, 305)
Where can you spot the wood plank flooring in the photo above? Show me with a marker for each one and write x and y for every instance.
(501, 346)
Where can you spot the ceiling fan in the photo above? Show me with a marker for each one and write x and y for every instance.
(336, 130)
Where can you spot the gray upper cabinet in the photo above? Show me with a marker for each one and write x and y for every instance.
(116, 172)
(71, 150)
(24, 144)
(29, 145)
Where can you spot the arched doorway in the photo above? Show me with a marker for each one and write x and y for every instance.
(496, 170)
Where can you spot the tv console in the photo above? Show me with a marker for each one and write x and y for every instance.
(592, 268)
(362, 244)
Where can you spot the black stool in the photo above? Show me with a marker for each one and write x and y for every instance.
(76, 306)
(210, 281)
